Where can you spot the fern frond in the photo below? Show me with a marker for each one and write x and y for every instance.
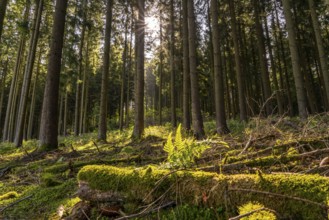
(179, 143)
(169, 147)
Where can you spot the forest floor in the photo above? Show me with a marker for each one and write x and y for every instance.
(44, 186)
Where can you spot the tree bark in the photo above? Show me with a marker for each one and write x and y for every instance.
(196, 110)
(295, 59)
(13, 85)
(102, 129)
(277, 88)
(129, 72)
(218, 73)
(240, 77)
(139, 81)
(78, 92)
(123, 75)
(172, 65)
(319, 44)
(33, 100)
(84, 90)
(65, 113)
(262, 58)
(160, 69)
(49, 116)
(186, 72)
(3, 86)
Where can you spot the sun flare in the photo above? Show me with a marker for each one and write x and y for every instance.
(152, 23)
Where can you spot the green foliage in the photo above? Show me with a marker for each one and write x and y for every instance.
(43, 203)
(49, 180)
(292, 151)
(182, 152)
(252, 206)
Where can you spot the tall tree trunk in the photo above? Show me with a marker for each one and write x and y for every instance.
(319, 44)
(13, 85)
(240, 77)
(262, 58)
(33, 100)
(123, 75)
(139, 93)
(160, 69)
(60, 117)
(102, 129)
(172, 65)
(129, 73)
(11, 98)
(27, 75)
(3, 86)
(65, 113)
(219, 78)
(84, 90)
(186, 72)
(49, 117)
(196, 110)
(281, 54)
(78, 91)
(296, 65)
(84, 108)
(278, 93)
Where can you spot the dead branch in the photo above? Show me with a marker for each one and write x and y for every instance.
(143, 213)
(324, 161)
(247, 146)
(252, 212)
(96, 147)
(312, 153)
(281, 196)
(4, 171)
(14, 203)
(318, 170)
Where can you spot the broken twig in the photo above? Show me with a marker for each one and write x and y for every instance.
(14, 203)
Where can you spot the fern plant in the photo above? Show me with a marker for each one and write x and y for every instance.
(182, 152)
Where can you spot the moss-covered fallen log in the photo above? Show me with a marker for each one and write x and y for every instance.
(301, 196)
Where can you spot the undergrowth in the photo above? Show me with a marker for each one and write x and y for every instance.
(272, 145)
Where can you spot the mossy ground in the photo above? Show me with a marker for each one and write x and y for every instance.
(51, 178)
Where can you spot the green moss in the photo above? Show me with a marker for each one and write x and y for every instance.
(9, 195)
(251, 206)
(44, 202)
(49, 180)
(292, 151)
(192, 187)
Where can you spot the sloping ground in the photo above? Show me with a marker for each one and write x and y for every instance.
(271, 161)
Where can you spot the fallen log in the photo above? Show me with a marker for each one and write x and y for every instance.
(86, 193)
(200, 188)
(263, 161)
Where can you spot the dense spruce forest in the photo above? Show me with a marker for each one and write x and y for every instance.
(155, 109)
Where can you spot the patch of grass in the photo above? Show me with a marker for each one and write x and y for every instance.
(252, 206)
(44, 201)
